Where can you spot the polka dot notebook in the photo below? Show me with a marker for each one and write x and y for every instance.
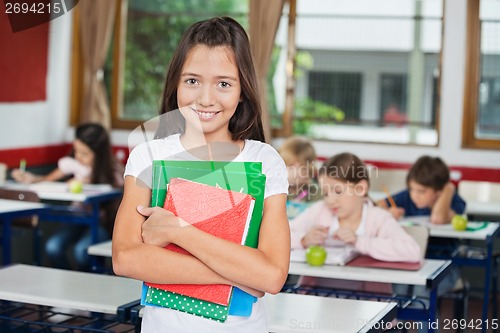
(159, 297)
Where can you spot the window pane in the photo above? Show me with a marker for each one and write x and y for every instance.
(153, 30)
(369, 58)
(488, 120)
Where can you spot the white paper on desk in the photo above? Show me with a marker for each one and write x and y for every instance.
(420, 220)
(335, 255)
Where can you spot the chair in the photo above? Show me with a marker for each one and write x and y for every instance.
(460, 294)
(30, 222)
(421, 235)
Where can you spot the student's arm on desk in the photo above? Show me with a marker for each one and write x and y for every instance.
(304, 224)
(397, 212)
(386, 240)
(441, 213)
(29, 177)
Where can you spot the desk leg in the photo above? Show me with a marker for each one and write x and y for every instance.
(94, 229)
(432, 309)
(487, 281)
(6, 241)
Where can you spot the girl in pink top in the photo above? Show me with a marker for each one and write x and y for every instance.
(346, 214)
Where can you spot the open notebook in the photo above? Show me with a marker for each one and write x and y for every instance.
(337, 255)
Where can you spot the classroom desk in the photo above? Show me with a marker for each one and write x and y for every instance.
(93, 195)
(429, 275)
(101, 294)
(480, 208)
(9, 210)
(290, 313)
(102, 249)
(472, 208)
(305, 313)
(487, 232)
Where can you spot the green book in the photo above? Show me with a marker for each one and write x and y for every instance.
(243, 177)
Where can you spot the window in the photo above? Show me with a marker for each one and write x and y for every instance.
(340, 89)
(366, 59)
(393, 98)
(146, 35)
(481, 125)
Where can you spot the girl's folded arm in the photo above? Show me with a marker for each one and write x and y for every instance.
(264, 268)
(133, 258)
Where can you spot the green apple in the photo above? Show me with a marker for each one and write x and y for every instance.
(315, 255)
(459, 222)
(75, 186)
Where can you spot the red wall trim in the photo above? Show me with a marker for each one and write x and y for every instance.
(45, 155)
(34, 156)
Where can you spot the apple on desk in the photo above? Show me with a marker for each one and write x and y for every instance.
(316, 255)
(459, 222)
(75, 186)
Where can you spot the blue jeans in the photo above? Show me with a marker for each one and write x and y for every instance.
(77, 237)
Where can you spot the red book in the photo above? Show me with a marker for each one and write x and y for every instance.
(220, 212)
(367, 261)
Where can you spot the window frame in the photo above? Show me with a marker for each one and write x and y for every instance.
(472, 78)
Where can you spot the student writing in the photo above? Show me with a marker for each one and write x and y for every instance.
(211, 80)
(429, 193)
(91, 161)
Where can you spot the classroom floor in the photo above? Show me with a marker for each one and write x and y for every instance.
(474, 314)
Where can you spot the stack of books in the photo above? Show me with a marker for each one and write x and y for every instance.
(222, 198)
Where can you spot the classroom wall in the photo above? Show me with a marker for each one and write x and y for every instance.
(42, 122)
(45, 124)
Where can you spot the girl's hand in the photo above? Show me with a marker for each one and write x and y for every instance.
(23, 176)
(161, 226)
(346, 235)
(316, 236)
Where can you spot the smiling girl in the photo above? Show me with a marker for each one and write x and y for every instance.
(210, 100)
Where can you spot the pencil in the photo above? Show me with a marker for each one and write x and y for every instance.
(389, 196)
(22, 165)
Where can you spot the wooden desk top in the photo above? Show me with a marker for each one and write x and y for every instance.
(67, 289)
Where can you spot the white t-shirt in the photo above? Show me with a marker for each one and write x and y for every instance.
(159, 320)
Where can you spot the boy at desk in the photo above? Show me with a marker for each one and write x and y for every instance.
(347, 215)
(429, 193)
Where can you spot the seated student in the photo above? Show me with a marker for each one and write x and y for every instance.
(91, 162)
(429, 193)
(346, 214)
(300, 159)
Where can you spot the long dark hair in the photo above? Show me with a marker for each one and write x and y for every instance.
(105, 166)
(96, 138)
(246, 123)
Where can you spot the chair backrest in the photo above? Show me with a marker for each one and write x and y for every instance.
(421, 235)
(22, 196)
(481, 191)
(393, 179)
